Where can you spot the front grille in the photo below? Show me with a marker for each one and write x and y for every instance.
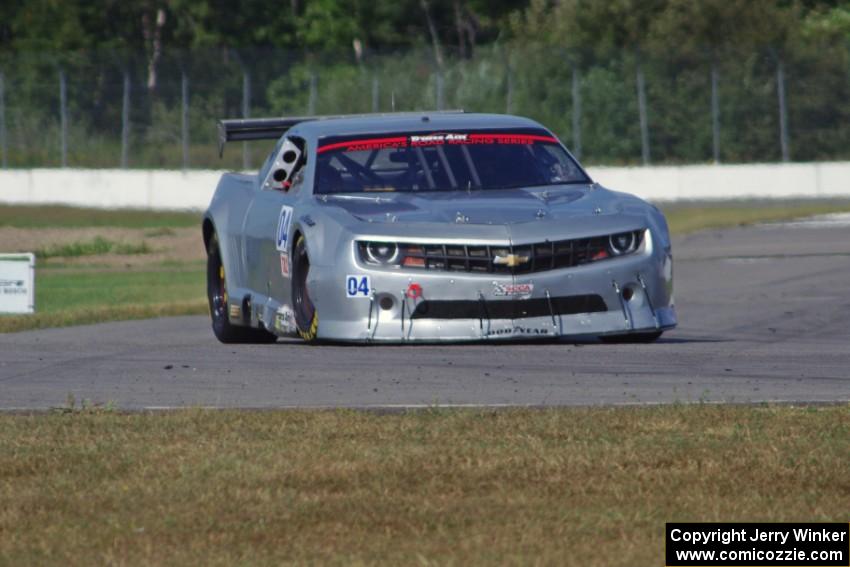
(526, 258)
(510, 308)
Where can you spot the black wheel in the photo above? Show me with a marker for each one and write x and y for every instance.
(217, 296)
(306, 316)
(650, 337)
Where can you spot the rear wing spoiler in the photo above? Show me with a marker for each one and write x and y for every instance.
(242, 130)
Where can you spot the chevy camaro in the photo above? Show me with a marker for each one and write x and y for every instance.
(429, 227)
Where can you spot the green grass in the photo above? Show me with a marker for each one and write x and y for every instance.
(60, 291)
(56, 216)
(97, 246)
(101, 314)
(80, 296)
(556, 487)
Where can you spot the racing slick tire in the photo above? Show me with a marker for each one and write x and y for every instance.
(217, 295)
(306, 316)
(649, 337)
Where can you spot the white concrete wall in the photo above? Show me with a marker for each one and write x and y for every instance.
(163, 189)
(765, 181)
(109, 188)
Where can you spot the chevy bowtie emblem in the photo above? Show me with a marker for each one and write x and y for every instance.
(511, 260)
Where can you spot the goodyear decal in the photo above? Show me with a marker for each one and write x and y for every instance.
(516, 330)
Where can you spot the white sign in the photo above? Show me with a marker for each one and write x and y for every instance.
(17, 283)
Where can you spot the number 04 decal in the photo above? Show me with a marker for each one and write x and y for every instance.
(358, 286)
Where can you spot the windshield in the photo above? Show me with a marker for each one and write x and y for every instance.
(444, 161)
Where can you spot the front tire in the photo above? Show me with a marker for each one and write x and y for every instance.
(217, 295)
(306, 316)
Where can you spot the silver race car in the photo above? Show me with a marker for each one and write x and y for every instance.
(434, 226)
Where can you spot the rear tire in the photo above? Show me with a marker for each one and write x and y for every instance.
(306, 316)
(640, 338)
(223, 329)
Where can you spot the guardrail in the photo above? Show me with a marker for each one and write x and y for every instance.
(193, 189)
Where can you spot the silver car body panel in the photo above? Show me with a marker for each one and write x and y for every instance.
(246, 214)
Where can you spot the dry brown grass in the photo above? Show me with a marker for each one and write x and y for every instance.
(686, 217)
(55, 216)
(553, 487)
(162, 244)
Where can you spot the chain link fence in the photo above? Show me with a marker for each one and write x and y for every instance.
(125, 110)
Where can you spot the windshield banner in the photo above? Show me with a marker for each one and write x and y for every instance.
(437, 139)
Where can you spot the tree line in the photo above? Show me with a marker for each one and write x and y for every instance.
(620, 80)
(459, 26)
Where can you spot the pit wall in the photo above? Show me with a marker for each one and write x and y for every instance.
(169, 190)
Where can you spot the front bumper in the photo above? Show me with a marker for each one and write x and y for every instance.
(633, 294)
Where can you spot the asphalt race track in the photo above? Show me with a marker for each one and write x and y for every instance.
(764, 316)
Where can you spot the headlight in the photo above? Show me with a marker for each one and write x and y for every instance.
(390, 254)
(623, 243)
(383, 253)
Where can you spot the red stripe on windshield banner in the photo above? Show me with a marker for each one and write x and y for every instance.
(509, 138)
(404, 141)
(367, 144)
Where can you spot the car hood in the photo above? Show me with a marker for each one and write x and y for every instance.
(497, 207)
